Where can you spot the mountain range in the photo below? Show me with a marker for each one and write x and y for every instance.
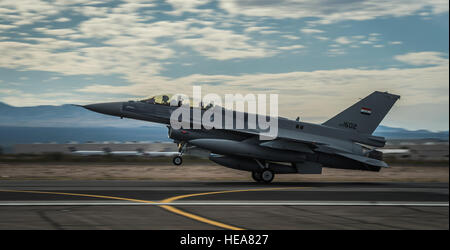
(60, 116)
(72, 123)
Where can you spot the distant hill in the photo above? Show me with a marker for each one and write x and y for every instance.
(400, 133)
(16, 135)
(61, 116)
(71, 123)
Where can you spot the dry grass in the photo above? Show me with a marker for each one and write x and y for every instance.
(194, 171)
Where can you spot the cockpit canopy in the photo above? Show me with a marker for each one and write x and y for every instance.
(158, 99)
(174, 100)
(167, 100)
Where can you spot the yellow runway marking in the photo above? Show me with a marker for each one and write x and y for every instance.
(220, 192)
(166, 207)
(198, 218)
(168, 200)
(73, 194)
(204, 220)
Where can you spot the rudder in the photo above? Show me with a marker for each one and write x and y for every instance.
(365, 115)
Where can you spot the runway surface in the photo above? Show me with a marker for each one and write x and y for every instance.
(222, 205)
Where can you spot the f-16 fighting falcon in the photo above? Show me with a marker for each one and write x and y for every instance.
(344, 141)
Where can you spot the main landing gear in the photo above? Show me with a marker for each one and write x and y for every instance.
(265, 176)
(256, 176)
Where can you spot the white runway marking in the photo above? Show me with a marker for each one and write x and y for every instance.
(231, 203)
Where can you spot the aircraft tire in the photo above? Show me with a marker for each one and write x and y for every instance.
(267, 176)
(256, 176)
(177, 160)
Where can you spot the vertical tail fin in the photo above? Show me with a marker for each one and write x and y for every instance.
(365, 115)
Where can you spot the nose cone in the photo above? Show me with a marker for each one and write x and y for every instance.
(110, 108)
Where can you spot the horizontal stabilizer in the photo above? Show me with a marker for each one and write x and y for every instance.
(365, 160)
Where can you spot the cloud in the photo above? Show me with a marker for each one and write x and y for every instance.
(62, 19)
(126, 42)
(291, 37)
(336, 51)
(56, 32)
(219, 44)
(396, 42)
(423, 58)
(292, 47)
(343, 40)
(373, 38)
(181, 6)
(331, 11)
(322, 38)
(26, 12)
(317, 93)
(358, 37)
(311, 31)
(222, 44)
(22, 99)
(9, 91)
(60, 56)
(269, 32)
(6, 26)
(255, 29)
(261, 30)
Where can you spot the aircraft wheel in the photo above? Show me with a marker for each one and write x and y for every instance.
(177, 160)
(267, 176)
(257, 176)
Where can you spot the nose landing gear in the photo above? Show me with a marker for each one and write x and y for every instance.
(177, 160)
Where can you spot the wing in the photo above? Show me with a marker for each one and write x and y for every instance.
(288, 135)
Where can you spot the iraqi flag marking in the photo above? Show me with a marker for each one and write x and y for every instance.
(366, 111)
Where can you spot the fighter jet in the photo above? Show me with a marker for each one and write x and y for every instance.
(345, 141)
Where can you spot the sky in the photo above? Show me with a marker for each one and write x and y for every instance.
(319, 56)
